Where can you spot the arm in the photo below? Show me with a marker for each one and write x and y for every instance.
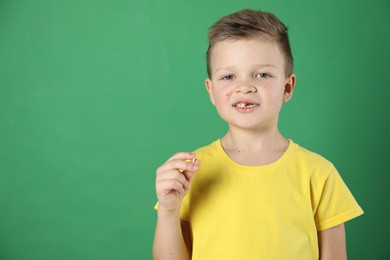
(332, 243)
(171, 240)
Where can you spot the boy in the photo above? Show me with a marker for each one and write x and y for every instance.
(254, 194)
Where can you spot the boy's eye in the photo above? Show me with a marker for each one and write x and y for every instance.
(227, 77)
(263, 75)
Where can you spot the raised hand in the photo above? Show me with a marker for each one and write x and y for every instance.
(173, 180)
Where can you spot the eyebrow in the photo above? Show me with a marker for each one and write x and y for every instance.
(258, 66)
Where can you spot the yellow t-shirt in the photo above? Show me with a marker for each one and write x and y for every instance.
(264, 212)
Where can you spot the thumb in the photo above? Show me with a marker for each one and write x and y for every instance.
(194, 168)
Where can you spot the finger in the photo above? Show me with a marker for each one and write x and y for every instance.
(190, 173)
(182, 156)
(177, 164)
(167, 186)
(173, 175)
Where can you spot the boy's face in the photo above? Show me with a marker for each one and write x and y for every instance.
(249, 85)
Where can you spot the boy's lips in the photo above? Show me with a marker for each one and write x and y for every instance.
(245, 106)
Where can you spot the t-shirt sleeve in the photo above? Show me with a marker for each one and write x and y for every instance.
(336, 204)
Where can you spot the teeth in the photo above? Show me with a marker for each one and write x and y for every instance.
(244, 105)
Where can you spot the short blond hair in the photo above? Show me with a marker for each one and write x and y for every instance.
(249, 24)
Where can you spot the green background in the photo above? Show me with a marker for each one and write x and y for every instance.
(95, 95)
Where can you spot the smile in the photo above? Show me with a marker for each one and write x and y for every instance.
(245, 105)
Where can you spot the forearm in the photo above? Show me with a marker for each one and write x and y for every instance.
(168, 239)
(332, 243)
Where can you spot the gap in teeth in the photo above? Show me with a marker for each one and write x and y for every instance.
(243, 105)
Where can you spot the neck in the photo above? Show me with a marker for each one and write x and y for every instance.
(244, 140)
(254, 147)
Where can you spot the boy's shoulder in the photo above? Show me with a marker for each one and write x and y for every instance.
(307, 158)
(207, 150)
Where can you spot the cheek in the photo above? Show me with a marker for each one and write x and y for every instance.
(222, 95)
(273, 93)
(221, 99)
(225, 96)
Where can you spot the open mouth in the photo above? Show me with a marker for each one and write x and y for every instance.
(245, 105)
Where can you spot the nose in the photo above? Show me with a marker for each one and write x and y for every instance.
(246, 87)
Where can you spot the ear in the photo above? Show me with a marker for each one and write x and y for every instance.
(209, 87)
(289, 88)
